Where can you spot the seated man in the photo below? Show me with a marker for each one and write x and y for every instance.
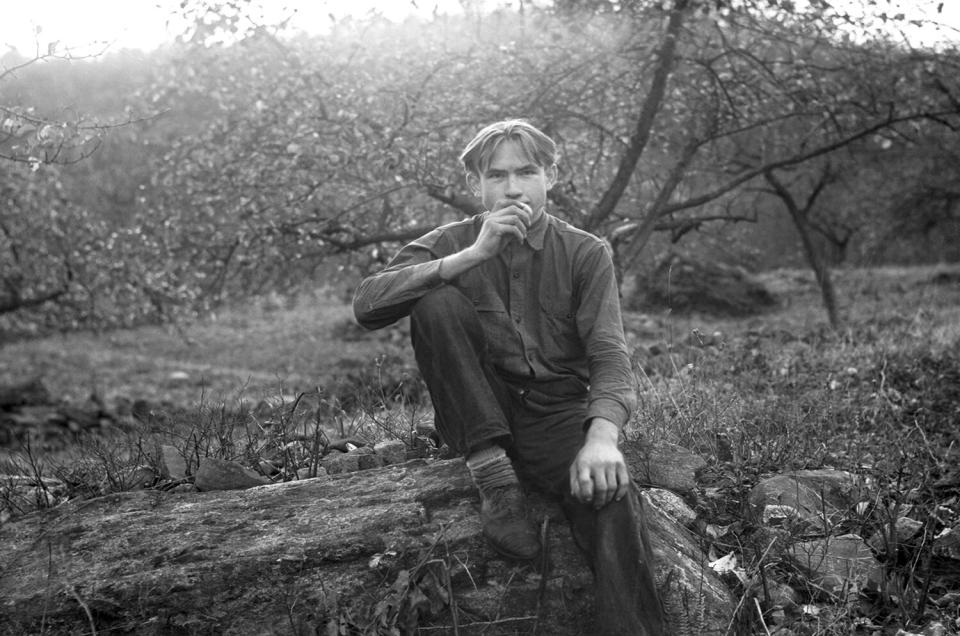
(516, 328)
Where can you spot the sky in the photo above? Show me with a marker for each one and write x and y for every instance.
(78, 24)
(89, 25)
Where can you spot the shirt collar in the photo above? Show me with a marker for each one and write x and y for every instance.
(537, 231)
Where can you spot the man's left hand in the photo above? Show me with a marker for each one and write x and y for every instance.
(599, 473)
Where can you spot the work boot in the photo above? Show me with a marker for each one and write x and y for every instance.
(506, 525)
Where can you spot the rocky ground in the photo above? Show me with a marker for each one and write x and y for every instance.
(818, 492)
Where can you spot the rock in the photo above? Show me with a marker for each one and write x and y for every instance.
(838, 566)
(663, 465)
(367, 458)
(346, 444)
(137, 478)
(393, 451)
(807, 501)
(351, 550)
(268, 468)
(903, 530)
(21, 494)
(178, 377)
(172, 464)
(220, 474)
(947, 543)
(336, 463)
(307, 472)
(945, 561)
(782, 595)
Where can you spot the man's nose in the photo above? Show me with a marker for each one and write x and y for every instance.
(513, 187)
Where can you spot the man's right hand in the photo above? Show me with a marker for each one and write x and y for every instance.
(509, 220)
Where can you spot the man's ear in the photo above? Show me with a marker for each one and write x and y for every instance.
(473, 182)
(551, 174)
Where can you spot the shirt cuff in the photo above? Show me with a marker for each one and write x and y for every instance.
(609, 409)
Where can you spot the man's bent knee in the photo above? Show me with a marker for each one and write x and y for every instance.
(440, 304)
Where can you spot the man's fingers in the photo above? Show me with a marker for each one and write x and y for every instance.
(517, 209)
(582, 486)
(601, 490)
(623, 482)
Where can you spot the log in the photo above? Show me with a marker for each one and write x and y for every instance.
(394, 547)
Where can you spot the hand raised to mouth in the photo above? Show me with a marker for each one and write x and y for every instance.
(510, 219)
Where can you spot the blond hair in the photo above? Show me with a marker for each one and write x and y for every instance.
(539, 147)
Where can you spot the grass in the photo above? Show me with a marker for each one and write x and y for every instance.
(779, 391)
(256, 349)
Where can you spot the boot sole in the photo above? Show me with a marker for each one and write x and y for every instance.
(513, 556)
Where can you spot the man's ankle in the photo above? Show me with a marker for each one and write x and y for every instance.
(490, 468)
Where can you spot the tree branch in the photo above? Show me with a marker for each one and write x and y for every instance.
(15, 303)
(641, 134)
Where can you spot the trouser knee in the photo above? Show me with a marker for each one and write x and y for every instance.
(440, 307)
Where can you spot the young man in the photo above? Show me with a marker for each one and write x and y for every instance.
(516, 328)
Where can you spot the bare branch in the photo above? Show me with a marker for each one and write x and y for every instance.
(648, 111)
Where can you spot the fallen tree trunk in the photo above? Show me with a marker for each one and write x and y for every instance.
(396, 548)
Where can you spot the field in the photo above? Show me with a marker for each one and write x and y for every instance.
(758, 396)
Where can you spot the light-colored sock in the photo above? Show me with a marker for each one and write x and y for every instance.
(491, 468)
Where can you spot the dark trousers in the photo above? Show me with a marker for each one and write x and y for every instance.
(542, 432)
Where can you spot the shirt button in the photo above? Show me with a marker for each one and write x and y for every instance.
(517, 320)
(516, 274)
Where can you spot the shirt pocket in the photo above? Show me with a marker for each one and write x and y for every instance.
(560, 317)
(485, 300)
(501, 335)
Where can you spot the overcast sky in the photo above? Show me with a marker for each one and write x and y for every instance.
(142, 23)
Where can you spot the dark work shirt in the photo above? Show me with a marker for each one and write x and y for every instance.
(549, 308)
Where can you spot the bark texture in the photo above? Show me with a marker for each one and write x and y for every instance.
(397, 547)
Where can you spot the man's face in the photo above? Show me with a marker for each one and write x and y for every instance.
(512, 175)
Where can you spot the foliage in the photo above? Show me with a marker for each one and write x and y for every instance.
(255, 159)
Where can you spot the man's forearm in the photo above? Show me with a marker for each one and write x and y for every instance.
(600, 429)
(455, 264)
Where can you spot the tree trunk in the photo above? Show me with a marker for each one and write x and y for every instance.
(800, 220)
(398, 548)
(648, 112)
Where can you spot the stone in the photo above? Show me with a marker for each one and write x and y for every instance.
(367, 458)
(307, 472)
(220, 474)
(178, 377)
(839, 566)
(137, 478)
(319, 553)
(21, 494)
(172, 464)
(902, 531)
(811, 502)
(393, 451)
(336, 463)
(782, 595)
(663, 465)
(268, 468)
(947, 543)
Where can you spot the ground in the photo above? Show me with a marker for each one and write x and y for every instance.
(754, 396)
